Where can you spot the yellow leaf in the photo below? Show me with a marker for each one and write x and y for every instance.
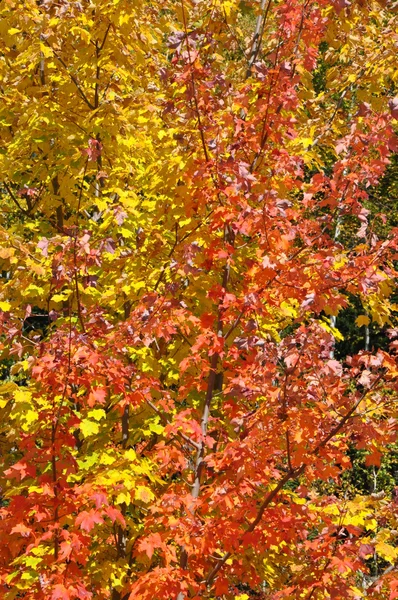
(362, 320)
(106, 459)
(5, 306)
(29, 417)
(288, 309)
(156, 428)
(22, 395)
(298, 500)
(333, 330)
(81, 33)
(8, 387)
(130, 454)
(123, 498)
(138, 286)
(306, 142)
(97, 414)
(7, 252)
(46, 51)
(389, 553)
(358, 593)
(61, 297)
(88, 427)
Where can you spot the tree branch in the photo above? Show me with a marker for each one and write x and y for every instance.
(290, 475)
(73, 78)
(200, 126)
(14, 199)
(258, 34)
(166, 421)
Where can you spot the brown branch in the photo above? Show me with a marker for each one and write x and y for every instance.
(73, 78)
(347, 416)
(200, 126)
(214, 382)
(98, 49)
(96, 88)
(13, 197)
(22, 249)
(163, 269)
(234, 324)
(343, 513)
(389, 569)
(299, 34)
(125, 426)
(105, 37)
(177, 243)
(267, 501)
(79, 310)
(165, 421)
(258, 35)
(55, 491)
(338, 105)
(290, 475)
(42, 71)
(59, 213)
(289, 458)
(264, 132)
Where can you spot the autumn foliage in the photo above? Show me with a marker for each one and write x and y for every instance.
(184, 192)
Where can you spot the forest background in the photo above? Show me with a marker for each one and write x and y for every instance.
(198, 258)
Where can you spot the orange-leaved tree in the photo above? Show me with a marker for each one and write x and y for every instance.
(176, 178)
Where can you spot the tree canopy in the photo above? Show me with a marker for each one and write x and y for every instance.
(198, 257)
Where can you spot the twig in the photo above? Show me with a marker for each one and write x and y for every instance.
(258, 35)
(166, 421)
(290, 475)
(200, 126)
(105, 36)
(73, 78)
(79, 312)
(13, 197)
(289, 460)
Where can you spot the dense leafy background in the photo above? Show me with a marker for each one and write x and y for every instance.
(198, 253)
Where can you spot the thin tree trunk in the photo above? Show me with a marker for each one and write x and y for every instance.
(214, 383)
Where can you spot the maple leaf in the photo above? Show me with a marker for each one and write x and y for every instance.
(88, 519)
(373, 458)
(143, 493)
(60, 592)
(65, 550)
(189, 204)
(94, 149)
(20, 470)
(150, 543)
(21, 529)
(96, 396)
(115, 515)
